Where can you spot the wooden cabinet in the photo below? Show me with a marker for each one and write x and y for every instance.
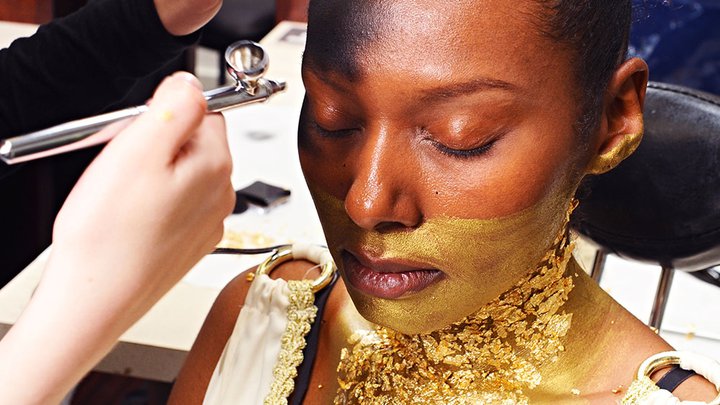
(291, 10)
(42, 11)
(37, 11)
(27, 11)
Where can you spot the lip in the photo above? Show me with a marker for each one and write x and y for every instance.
(389, 279)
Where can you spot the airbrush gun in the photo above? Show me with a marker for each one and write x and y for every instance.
(247, 62)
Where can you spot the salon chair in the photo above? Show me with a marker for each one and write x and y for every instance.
(662, 204)
(236, 20)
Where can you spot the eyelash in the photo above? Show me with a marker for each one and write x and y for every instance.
(331, 134)
(445, 150)
(464, 153)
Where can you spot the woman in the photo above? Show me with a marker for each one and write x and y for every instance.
(443, 144)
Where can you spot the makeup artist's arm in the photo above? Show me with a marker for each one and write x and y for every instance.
(183, 17)
(84, 63)
(145, 211)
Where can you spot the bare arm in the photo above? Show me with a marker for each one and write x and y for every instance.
(146, 210)
(182, 17)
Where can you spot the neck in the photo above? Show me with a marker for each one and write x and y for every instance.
(596, 325)
(497, 354)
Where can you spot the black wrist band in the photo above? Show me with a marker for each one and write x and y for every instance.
(673, 378)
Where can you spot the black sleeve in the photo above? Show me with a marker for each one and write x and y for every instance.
(79, 65)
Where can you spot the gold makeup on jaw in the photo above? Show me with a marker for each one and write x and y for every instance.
(480, 258)
(609, 160)
(496, 355)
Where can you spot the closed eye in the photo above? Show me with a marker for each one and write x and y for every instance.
(334, 133)
(464, 153)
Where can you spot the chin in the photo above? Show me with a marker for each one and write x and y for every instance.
(405, 316)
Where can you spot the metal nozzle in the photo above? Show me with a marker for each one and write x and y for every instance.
(246, 62)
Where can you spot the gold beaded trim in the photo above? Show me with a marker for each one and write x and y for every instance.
(639, 390)
(301, 315)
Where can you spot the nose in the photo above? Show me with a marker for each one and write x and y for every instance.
(381, 196)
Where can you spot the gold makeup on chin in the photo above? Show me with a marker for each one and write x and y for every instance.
(497, 355)
(480, 258)
(607, 161)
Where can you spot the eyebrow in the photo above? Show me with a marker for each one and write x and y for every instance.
(467, 88)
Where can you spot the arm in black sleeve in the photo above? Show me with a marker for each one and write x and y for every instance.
(79, 65)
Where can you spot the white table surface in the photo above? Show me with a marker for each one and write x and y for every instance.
(9, 31)
(263, 144)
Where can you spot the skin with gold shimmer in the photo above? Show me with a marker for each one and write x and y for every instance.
(443, 138)
(508, 248)
(491, 356)
(607, 161)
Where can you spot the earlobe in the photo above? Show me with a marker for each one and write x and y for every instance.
(624, 146)
(622, 117)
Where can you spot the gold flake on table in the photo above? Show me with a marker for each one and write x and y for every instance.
(244, 240)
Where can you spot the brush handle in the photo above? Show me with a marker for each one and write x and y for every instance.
(74, 135)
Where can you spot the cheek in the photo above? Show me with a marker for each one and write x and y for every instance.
(537, 165)
(323, 166)
(521, 169)
(311, 161)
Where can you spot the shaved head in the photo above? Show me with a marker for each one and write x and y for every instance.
(339, 30)
(594, 31)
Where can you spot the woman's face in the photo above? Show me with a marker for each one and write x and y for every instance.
(455, 126)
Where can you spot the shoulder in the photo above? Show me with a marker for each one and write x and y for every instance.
(619, 343)
(226, 308)
(198, 368)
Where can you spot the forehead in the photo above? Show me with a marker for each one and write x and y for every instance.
(445, 39)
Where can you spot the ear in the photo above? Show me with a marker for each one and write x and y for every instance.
(621, 123)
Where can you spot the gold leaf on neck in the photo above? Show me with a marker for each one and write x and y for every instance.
(492, 356)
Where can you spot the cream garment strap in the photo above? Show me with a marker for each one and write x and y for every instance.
(244, 373)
